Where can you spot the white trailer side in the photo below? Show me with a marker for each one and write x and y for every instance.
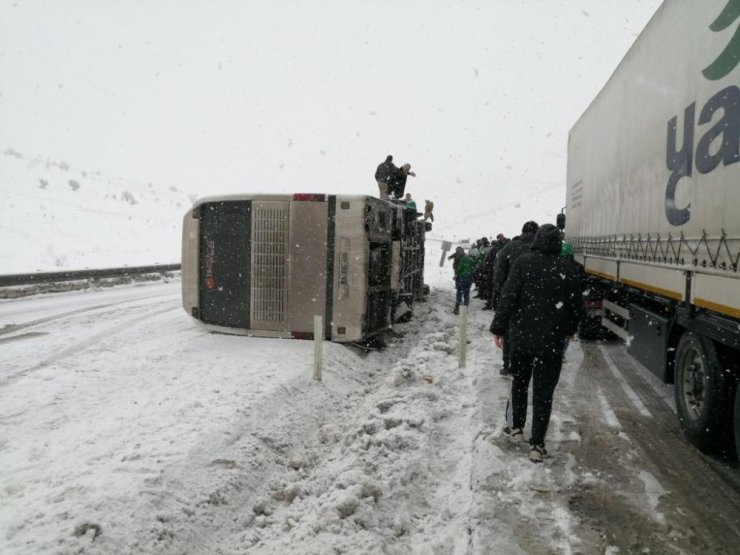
(653, 203)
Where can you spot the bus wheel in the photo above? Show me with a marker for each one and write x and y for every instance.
(737, 422)
(700, 391)
(590, 329)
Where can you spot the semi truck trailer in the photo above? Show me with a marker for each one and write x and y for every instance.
(653, 209)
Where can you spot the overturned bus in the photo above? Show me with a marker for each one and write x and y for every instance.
(264, 265)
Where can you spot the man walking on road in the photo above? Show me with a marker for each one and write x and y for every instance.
(540, 306)
(505, 258)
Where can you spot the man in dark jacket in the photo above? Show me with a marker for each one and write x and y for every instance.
(383, 175)
(489, 264)
(505, 258)
(540, 306)
(397, 180)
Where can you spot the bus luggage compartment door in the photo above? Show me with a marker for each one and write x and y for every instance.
(224, 264)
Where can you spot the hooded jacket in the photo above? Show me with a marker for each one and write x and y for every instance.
(541, 302)
(506, 256)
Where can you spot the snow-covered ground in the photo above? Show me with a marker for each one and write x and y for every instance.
(57, 217)
(126, 428)
(142, 433)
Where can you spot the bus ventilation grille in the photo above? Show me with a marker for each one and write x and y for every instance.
(269, 264)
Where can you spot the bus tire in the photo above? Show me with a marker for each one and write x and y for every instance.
(590, 329)
(700, 391)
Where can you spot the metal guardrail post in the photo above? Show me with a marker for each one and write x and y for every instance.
(318, 339)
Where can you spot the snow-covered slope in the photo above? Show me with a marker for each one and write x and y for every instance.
(57, 217)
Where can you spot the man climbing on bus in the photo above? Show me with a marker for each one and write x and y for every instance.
(397, 180)
(410, 202)
(428, 207)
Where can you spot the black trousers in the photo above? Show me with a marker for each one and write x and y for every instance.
(507, 352)
(546, 373)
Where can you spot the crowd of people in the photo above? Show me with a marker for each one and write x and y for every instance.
(391, 182)
(535, 287)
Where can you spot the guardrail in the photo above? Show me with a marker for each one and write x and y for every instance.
(73, 275)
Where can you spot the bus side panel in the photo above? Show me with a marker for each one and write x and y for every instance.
(307, 264)
(224, 253)
(189, 263)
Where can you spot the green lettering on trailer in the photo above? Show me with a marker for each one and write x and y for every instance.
(730, 56)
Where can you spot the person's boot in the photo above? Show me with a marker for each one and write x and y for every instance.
(457, 309)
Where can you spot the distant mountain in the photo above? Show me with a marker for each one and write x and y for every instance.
(57, 217)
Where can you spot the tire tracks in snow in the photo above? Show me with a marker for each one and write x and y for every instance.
(81, 346)
(12, 328)
(516, 507)
(677, 483)
(342, 474)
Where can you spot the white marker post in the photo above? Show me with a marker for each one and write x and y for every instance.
(318, 327)
(463, 341)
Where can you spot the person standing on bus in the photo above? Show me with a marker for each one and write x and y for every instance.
(383, 174)
(397, 181)
(540, 306)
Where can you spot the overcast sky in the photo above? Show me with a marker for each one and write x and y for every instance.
(286, 96)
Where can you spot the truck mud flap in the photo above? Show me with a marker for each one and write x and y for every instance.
(649, 334)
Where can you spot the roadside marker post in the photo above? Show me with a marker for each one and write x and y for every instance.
(463, 340)
(318, 341)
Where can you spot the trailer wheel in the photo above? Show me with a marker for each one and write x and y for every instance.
(737, 422)
(700, 391)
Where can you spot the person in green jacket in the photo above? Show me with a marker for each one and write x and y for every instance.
(463, 280)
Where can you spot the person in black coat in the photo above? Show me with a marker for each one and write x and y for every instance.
(383, 174)
(507, 255)
(397, 180)
(489, 264)
(540, 306)
(510, 252)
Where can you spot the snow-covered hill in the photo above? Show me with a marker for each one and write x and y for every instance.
(56, 217)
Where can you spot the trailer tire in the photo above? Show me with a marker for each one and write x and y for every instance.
(700, 391)
(736, 422)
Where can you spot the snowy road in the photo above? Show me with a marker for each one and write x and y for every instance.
(125, 428)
